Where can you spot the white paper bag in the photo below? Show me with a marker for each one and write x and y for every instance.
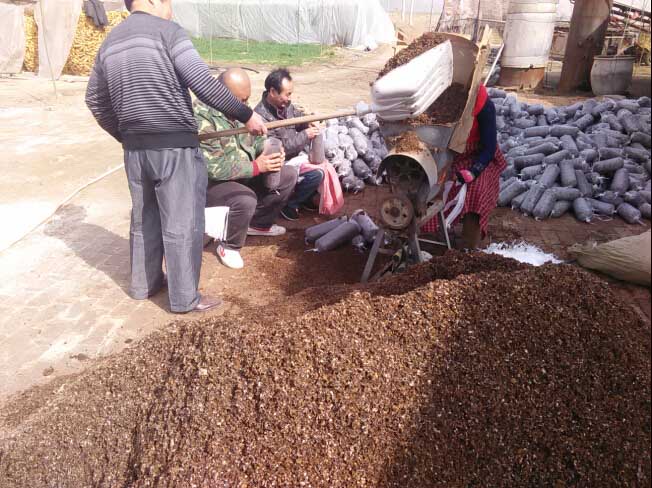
(217, 222)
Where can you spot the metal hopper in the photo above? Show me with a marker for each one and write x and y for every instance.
(417, 177)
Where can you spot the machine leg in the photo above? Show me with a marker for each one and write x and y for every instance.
(413, 243)
(442, 222)
(380, 237)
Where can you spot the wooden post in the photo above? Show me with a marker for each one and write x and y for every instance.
(585, 41)
(476, 28)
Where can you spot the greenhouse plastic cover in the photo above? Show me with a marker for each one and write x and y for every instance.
(12, 38)
(361, 24)
(57, 25)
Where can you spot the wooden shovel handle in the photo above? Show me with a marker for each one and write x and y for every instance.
(277, 124)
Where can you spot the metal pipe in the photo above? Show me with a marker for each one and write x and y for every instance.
(47, 51)
(476, 30)
(622, 40)
(298, 27)
(441, 14)
(210, 40)
(493, 66)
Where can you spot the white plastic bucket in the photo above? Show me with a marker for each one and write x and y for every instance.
(529, 31)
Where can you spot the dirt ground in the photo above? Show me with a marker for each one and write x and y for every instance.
(63, 301)
(63, 289)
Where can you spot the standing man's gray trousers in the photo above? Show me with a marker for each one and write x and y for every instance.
(168, 193)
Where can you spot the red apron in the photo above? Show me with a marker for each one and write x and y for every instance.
(482, 193)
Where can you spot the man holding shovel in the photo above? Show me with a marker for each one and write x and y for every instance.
(138, 93)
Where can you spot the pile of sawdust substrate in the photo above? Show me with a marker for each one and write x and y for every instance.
(420, 45)
(449, 107)
(407, 142)
(497, 374)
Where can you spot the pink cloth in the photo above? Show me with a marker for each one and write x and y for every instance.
(331, 198)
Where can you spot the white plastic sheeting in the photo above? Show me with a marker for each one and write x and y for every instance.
(352, 23)
(12, 38)
(57, 25)
(420, 6)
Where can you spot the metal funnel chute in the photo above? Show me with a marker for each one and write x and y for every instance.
(418, 171)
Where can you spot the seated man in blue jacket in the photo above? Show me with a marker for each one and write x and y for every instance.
(276, 104)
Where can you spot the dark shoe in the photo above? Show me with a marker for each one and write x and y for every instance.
(208, 240)
(291, 214)
(310, 207)
(207, 303)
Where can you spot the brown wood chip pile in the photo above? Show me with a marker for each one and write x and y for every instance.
(497, 374)
(420, 45)
(449, 107)
(87, 41)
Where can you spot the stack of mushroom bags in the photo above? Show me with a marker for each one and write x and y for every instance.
(591, 158)
(356, 148)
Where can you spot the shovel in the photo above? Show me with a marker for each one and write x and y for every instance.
(403, 93)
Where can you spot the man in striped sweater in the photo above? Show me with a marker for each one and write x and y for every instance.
(138, 93)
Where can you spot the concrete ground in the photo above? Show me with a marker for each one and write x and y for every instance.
(63, 302)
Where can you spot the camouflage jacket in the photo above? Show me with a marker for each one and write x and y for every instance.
(227, 158)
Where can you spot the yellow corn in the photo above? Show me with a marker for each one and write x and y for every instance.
(86, 43)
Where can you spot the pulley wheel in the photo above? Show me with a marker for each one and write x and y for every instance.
(397, 212)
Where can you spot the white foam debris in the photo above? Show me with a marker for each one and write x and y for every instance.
(522, 252)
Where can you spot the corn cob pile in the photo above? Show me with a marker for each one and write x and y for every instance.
(87, 42)
(88, 39)
(30, 62)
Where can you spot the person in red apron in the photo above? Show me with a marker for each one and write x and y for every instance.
(479, 167)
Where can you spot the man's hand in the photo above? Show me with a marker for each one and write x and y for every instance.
(272, 163)
(313, 132)
(256, 125)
